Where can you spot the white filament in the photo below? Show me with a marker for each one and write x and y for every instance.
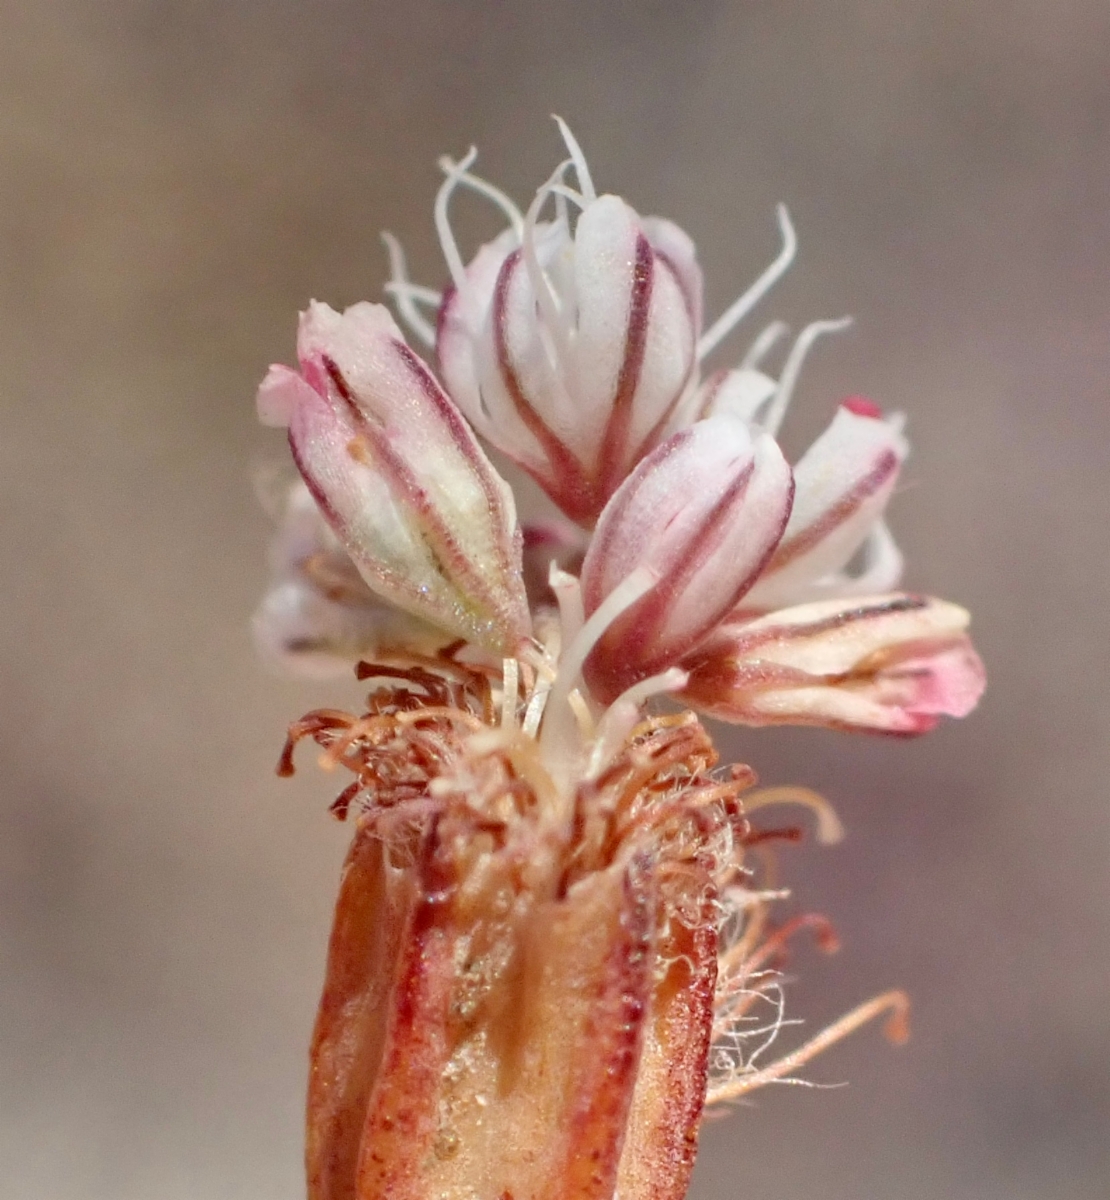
(554, 320)
(793, 367)
(762, 345)
(579, 705)
(568, 595)
(510, 672)
(881, 568)
(447, 241)
(484, 188)
(561, 192)
(533, 711)
(579, 160)
(562, 215)
(406, 294)
(556, 742)
(740, 308)
(619, 600)
(621, 716)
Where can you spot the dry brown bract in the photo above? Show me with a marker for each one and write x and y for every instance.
(523, 999)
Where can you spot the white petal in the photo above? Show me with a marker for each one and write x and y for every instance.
(740, 393)
(832, 638)
(677, 247)
(843, 483)
(605, 265)
(465, 315)
(441, 485)
(278, 396)
(702, 513)
(891, 663)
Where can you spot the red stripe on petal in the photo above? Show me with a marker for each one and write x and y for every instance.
(613, 459)
(804, 541)
(565, 482)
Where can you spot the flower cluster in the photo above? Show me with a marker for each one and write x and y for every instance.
(547, 939)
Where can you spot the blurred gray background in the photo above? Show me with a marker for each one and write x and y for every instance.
(178, 177)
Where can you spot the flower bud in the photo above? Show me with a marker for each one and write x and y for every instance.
(893, 664)
(702, 513)
(569, 351)
(842, 484)
(399, 476)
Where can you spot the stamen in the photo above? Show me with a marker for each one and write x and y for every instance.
(882, 563)
(579, 160)
(533, 710)
(621, 716)
(554, 320)
(562, 216)
(568, 595)
(477, 184)
(586, 726)
(556, 741)
(896, 1030)
(739, 309)
(793, 368)
(561, 192)
(447, 241)
(621, 598)
(762, 345)
(829, 828)
(406, 295)
(510, 671)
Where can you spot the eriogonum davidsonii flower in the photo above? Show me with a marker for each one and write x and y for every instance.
(892, 663)
(399, 476)
(548, 942)
(569, 350)
(703, 513)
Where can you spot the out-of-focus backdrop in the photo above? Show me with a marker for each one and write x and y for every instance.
(178, 177)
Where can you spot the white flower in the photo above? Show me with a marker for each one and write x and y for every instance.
(892, 664)
(570, 349)
(843, 483)
(574, 346)
(400, 477)
(702, 513)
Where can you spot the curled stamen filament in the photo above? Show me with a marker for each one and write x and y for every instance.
(793, 368)
(739, 309)
(585, 182)
(560, 190)
(554, 320)
(624, 712)
(510, 688)
(568, 595)
(761, 347)
(895, 1003)
(829, 828)
(484, 188)
(556, 737)
(407, 294)
(447, 241)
